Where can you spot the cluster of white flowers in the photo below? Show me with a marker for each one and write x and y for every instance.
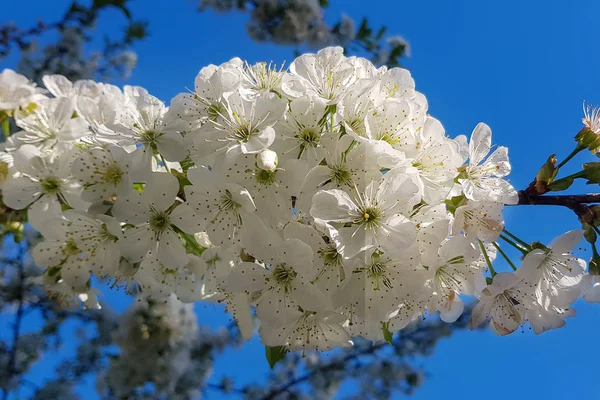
(324, 196)
(159, 337)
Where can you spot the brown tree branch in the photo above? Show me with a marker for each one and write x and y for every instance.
(567, 200)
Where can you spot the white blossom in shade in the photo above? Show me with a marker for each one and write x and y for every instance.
(17, 91)
(272, 191)
(65, 295)
(283, 278)
(96, 237)
(59, 252)
(482, 177)
(212, 270)
(246, 126)
(327, 75)
(453, 269)
(504, 302)
(145, 121)
(345, 167)
(381, 286)
(301, 131)
(433, 161)
(542, 319)
(41, 185)
(60, 86)
(220, 205)
(482, 220)
(156, 216)
(51, 123)
(373, 218)
(392, 124)
(103, 172)
(331, 270)
(308, 331)
(556, 273)
(159, 281)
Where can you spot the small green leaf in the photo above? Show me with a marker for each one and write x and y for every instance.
(453, 203)
(561, 184)
(387, 335)
(274, 354)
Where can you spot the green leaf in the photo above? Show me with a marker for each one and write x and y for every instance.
(387, 335)
(381, 32)
(137, 30)
(324, 3)
(363, 31)
(274, 354)
(453, 203)
(561, 184)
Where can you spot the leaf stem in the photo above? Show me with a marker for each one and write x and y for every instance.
(487, 258)
(578, 149)
(503, 254)
(521, 242)
(515, 245)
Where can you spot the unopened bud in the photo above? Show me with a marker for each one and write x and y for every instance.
(267, 160)
(544, 177)
(203, 239)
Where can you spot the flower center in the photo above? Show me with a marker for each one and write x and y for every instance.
(265, 177)
(113, 174)
(71, 249)
(309, 137)
(330, 256)
(370, 216)
(358, 126)
(242, 133)
(284, 275)
(340, 176)
(214, 110)
(149, 138)
(50, 185)
(378, 272)
(159, 221)
(227, 203)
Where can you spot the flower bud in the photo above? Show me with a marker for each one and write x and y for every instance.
(267, 160)
(203, 239)
(544, 177)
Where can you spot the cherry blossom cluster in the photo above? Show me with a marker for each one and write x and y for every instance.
(322, 197)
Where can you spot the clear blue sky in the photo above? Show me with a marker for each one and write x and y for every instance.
(523, 67)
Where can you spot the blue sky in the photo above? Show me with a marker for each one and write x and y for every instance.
(523, 67)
